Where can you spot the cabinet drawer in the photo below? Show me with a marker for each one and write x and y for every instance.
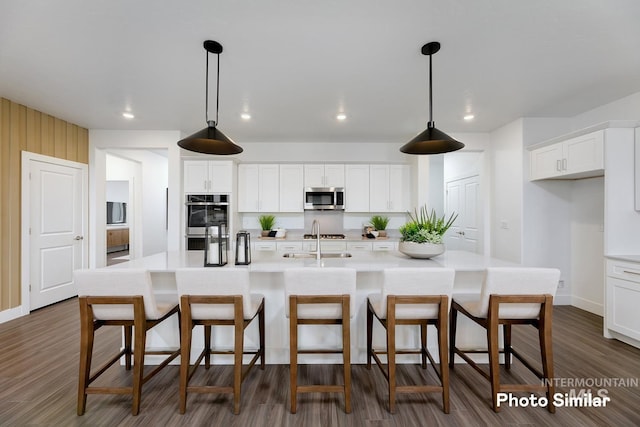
(384, 246)
(264, 246)
(289, 246)
(359, 246)
(624, 270)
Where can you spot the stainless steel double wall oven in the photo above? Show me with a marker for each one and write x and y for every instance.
(203, 210)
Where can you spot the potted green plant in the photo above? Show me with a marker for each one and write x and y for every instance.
(380, 223)
(422, 235)
(266, 223)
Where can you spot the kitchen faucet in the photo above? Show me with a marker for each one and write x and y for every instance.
(316, 227)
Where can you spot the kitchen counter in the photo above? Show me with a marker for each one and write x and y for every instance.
(266, 278)
(629, 258)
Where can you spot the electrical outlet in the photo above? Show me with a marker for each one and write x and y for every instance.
(560, 284)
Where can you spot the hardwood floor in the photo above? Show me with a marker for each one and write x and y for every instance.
(39, 371)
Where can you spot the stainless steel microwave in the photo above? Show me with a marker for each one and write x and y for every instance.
(324, 199)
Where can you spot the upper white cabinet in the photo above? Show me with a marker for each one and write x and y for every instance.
(356, 188)
(291, 191)
(329, 175)
(207, 176)
(578, 157)
(258, 188)
(389, 188)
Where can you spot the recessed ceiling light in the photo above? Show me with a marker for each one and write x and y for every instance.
(468, 117)
(128, 115)
(245, 116)
(341, 116)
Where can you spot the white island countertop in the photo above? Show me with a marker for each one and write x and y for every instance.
(362, 261)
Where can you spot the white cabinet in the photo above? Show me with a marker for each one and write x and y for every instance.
(359, 246)
(264, 246)
(329, 175)
(356, 187)
(207, 176)
(384, 246)
(389, 188)
(258, 188)
(291, 188)
(289, 246)
(623, 299)
(578, 157)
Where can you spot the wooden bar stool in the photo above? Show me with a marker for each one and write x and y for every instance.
(320, 296)
(112, 297)
(511, 296)
(412, 296)
(217, 296)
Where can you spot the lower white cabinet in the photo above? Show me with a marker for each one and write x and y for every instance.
(289, 246)
(264, 246)
(359, 246)
(384, 246)
(623, 298)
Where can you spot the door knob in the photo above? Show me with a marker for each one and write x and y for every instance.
(78, 238)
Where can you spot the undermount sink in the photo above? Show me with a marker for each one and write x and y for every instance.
(313, 255)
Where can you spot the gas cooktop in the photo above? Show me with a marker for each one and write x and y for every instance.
(325, 236)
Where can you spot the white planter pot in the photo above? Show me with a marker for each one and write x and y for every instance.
(421, 250)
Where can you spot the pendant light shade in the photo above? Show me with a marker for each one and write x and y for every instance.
(211, 140)
(431, 140)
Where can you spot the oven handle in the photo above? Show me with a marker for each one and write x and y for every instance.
(206, 204)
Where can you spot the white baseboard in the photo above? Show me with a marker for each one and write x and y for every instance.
(562, 300)
(11, 314)
(587, 305)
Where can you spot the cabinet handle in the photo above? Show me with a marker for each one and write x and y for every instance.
(558, 165)
(564, 164)
(631, 272)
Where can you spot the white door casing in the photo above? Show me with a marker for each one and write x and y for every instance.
(462, 197)
(54, 228)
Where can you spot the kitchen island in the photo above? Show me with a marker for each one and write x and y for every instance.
(266, 278)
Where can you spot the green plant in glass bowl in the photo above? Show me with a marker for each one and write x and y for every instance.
(267, 222)
(422, 235)
(380, 223)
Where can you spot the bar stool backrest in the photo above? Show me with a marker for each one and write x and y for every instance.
(517, 281)
(320, 281)
(111, 282)
(214, 282)
(416, 281)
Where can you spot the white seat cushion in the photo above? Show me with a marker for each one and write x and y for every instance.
(403, 311)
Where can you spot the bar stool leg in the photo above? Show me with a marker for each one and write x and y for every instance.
(423, 343)
(442, 348)
(127, 329)
(261, 326)
(544, 333)
(293, 352)
(494, 361)
(138, 366)
(185, 355)
(453, 323)
(237, 363)
(86, 351)
(369, 334)
(506, 335)
(207, 346)
(346, 353)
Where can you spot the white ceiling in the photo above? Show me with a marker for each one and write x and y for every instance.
(293, 64)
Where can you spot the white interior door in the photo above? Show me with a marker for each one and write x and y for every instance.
(462, 197)
(57, 226)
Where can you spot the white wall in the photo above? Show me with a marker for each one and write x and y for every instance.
(627, 108)
(506, 191)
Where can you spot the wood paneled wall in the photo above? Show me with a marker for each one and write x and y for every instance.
(24, 129)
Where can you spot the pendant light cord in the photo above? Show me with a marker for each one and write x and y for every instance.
(206, 102)
(430, 93)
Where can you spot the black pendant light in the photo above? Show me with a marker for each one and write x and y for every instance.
(211, 140)
(432, 140)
